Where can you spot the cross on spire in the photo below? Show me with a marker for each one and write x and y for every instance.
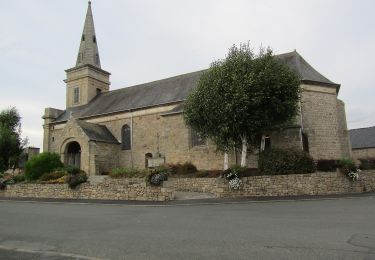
(88, 50)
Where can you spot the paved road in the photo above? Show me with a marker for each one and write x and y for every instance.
(320, 229)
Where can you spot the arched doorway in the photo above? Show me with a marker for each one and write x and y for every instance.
(73, 154)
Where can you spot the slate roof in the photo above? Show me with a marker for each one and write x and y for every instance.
(303, 69)
(97, 132)
(362, 137)
(173, 90)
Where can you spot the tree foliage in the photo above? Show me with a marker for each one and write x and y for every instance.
(242, 96)
(11, 144)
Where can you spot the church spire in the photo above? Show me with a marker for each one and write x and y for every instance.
(88, 49)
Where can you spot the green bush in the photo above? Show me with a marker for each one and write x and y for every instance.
(42, 163)
(19, 178)
(279, 161)
(181, 169)
(202, 174)
(238, 169)
(71, 169)
(74, 180)
(346, 165)
(52, 175)
(127, 173)
(367, 164)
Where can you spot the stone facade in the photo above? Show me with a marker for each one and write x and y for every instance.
(323, 122)
(110, 189)
(365, 153)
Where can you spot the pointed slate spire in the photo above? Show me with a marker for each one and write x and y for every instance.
(88, 49)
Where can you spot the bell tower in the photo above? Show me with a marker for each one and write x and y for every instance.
(87, 79)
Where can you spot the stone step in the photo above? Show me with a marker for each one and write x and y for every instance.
(96, 179)
(184, 195)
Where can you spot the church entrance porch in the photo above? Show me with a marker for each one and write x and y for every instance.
(73, 154)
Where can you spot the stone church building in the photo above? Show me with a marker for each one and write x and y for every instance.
(143, 125)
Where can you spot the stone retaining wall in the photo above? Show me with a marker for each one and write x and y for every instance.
(208, 185)
(320, 183)
(108, 189)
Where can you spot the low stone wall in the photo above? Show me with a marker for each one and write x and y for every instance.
(108, 189)
(208, 185)
(320, 183)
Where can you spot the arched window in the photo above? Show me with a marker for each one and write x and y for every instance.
(265, 143)
(126, 138)
(197, 139)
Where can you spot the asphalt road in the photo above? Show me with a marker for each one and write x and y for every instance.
(318, 229)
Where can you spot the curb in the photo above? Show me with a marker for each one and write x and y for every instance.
(193, 202)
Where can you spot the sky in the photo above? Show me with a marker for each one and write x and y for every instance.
(145, 40)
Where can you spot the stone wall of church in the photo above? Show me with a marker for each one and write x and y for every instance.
(343, 131)
(323, 118)
(289, 138)
(106, 157)
(321, 122)
(365, 153)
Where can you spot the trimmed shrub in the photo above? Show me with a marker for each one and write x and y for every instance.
(19, 178)
(202, 174)
(52, 175)
(74, 180)
(181, 169)
(127, 173)
(346, 165)
(279, 161)
(367, 164)
(71, 169)
(61, 180)
(326, 165)
(40, 164)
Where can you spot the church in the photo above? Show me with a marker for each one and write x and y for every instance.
(143, 126)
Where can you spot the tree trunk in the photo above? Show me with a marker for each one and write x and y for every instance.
(244, 151)
(226, 161)
(235, 153)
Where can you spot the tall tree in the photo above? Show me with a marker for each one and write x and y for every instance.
(11, 144)
(240, 97)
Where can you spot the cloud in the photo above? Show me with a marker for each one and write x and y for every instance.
(142, 40)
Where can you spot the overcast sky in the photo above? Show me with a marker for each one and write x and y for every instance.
(145, 40)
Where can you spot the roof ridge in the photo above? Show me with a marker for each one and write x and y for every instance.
(155, 81)
(362, 128)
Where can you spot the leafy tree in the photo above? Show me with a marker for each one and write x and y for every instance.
(242, 96)
(11, 144)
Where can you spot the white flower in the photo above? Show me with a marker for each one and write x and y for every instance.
(235, 184)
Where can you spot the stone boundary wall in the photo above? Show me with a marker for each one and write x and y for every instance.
(320, 183)
(109, 189)
(208, 185)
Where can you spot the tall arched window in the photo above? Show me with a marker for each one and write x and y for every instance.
(126, 138)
